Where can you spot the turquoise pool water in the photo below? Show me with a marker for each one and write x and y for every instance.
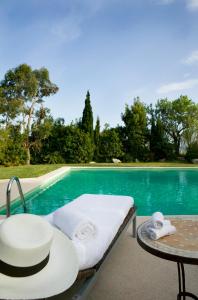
(170, 191)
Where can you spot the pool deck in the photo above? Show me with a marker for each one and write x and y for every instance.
(130, 272)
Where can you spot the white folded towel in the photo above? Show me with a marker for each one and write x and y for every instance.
(155, 233)
(157, 220)
(74, 224)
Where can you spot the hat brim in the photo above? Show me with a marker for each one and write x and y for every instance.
(57, 276)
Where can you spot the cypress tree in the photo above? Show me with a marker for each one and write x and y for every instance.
(87, 118)
(97, 139)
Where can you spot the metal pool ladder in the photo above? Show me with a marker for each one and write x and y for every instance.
(8, 195)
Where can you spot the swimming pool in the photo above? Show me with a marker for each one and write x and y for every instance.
(172, 191)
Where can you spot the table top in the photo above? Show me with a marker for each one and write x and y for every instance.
(180, 247)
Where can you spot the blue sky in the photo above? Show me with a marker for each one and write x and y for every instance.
(118, 49)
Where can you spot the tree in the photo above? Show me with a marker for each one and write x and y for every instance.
(110, 145)
(41, 129)
(87, 118)
(4, 138)
(136, 133)
(177, 116)
(190, 134)
(192, 151)
(160, 147)
(9, 107)
(11, 146)
(53, 139)
(21, 91)
(97, 139)
(64, 144)
(78, 146)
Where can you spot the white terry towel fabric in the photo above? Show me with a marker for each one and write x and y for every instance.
(157, 220)
(112, 203)
(105, 219)
(90, 253)
(155, 233)
(74, 224)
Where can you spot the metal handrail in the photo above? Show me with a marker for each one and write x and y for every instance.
(8, 193)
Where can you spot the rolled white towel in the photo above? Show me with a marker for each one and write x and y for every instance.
(155, 233)
(74, 224)
(91, 252)
(157, 220)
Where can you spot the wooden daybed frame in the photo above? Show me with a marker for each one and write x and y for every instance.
(86, 278)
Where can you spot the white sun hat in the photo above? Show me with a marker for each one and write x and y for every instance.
(36, 260)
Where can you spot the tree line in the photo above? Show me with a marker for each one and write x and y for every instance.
(167, 130)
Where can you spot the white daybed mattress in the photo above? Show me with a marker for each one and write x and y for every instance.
(108, 213)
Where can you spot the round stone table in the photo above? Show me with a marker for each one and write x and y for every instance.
(181, 247)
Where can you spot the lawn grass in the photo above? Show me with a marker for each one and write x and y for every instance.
(27, 171)
(38, 170)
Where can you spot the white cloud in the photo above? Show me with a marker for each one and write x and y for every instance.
(192, 4)
(192, 58)
(177, 86)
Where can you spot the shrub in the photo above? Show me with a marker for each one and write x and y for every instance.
(54, 158)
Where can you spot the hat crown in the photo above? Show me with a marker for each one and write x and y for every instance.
(25, 240)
